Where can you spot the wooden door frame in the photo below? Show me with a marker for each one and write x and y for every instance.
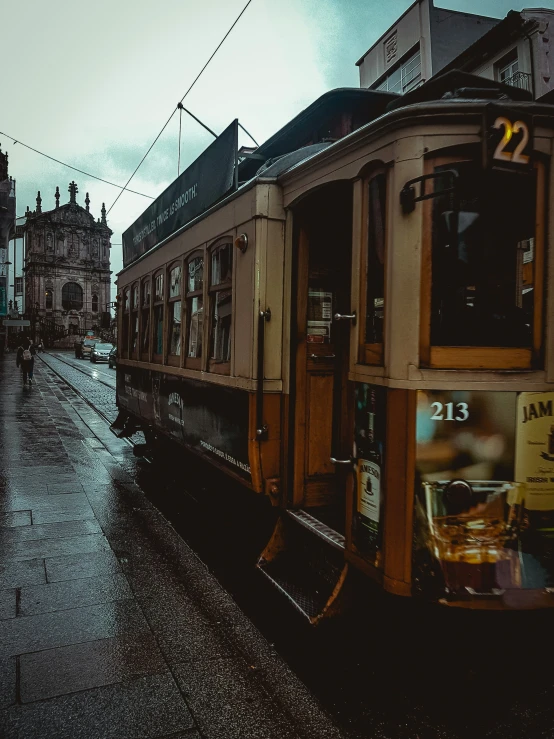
(299, 411)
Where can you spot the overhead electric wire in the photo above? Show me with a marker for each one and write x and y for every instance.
(69, 166)
(179, 159)
(184, 96)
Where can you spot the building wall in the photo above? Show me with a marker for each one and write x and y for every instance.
(453, 32)
(535, 51)
(489, 68)
(411, 29)
(541, 46)
(7, 227)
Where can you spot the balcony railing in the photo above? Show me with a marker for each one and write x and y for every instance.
(519, 79)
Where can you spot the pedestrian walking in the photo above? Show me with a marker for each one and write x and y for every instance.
(25, 359)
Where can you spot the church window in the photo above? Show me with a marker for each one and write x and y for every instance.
(95, 303)
(72, 296)
(49, 299)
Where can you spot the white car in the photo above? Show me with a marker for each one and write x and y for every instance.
(100, 352)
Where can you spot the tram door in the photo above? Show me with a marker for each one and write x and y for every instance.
(321, 428)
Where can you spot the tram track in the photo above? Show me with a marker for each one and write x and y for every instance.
(75, 366)
(78, 391)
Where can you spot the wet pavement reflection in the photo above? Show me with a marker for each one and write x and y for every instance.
(109, 624)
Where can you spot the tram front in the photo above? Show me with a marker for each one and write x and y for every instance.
(421, 428)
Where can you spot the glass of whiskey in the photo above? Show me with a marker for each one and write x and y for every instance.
(473, 528)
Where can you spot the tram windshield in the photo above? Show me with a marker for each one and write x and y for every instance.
(483, 262)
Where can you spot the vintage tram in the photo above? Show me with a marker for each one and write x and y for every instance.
(363, 331)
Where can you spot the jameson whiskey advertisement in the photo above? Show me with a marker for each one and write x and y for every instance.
(369, 465)
(535, 449)
(484, 498)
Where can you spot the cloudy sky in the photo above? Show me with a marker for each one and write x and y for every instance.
(92, 83)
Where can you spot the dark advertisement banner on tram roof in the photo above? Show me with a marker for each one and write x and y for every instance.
(207, 179)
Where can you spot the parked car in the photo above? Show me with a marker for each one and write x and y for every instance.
(84, 346)
(112, 359)
(100, 352)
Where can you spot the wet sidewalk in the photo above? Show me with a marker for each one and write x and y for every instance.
(110, 626)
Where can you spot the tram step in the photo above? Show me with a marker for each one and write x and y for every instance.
(304, 560)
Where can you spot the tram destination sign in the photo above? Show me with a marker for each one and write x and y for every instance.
(507, 139)
(202, 184)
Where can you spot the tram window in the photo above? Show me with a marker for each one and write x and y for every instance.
(195, 307)
(145, 322)
(146, 294)
(134, 318)
(158, 329)
(159, 287)
(175, 311)
(134, 335)
(125, 323)
(221, 304)
(375, 266)
(483, 266)
(158, 323)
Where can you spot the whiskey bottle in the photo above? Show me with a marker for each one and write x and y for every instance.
(368, 488)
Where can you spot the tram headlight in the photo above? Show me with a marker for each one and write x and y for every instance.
(241, 242)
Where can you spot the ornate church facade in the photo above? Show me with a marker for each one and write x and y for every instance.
(67, 264)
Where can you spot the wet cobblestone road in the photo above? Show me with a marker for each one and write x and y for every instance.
(95, 383)
(396, 669)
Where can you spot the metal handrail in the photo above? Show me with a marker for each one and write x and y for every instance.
(522, 80)
(261, 428)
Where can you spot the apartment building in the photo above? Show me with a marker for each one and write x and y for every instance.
(422, 42)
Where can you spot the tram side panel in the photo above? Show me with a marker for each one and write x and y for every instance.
(210, 420)
(220, 420)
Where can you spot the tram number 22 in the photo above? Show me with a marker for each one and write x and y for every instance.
(454, 412)
(516, 156)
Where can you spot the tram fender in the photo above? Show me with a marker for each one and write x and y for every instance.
(124, 425)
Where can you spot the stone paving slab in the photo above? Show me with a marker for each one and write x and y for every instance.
(147, 707)
(8, 603)
(44, 506)
(67, 488)
(15, 518)
(61, 596)
(65, 529)
(47, 548)
(75, 566)
(16, 574)
(8, 681)
(88, 665)
(49, 630)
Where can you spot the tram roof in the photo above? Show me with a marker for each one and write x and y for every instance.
(362, 104)
(288, 150)
(453, 90)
